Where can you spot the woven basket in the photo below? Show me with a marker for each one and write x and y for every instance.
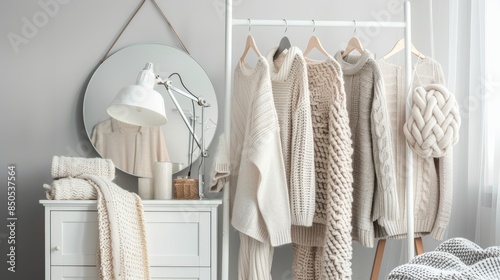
(185, 188)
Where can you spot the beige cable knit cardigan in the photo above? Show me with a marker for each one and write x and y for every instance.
(432, 177)
(374, 187)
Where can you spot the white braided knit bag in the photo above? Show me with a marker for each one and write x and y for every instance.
(433, 126)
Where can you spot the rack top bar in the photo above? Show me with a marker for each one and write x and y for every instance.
(317, 23)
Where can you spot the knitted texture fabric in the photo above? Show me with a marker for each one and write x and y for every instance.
(221, 168)
(255, 259)
(307, 262)
(432, 177)
(434, 122)
(122, 251)
(259, 198)
(456, 258)
(291, 98)
(374, 186)
(122, 232)
(70, 189)
(75, 166)
(330, 237)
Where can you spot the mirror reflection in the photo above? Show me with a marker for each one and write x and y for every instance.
(134, 148)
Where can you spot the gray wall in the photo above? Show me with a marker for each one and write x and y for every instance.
(45, 67)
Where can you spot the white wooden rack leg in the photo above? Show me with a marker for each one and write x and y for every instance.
(230, 22)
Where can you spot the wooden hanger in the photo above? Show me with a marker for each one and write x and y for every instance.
(284, 43)
(354, 44)
(250, 44)
(400, 45)
(315, 43)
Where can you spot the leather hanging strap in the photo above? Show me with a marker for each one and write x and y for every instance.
(132, 17)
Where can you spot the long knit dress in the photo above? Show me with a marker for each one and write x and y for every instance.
(432, 177)
(259, 196)
(324, 251)
(291, 98)
(374, 186)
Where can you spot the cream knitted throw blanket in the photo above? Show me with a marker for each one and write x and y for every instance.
(122, 253)
(456, 258)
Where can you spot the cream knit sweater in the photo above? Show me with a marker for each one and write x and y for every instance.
(291, 99)
(259, 197)
(374, 187)
(432, 177)
(325, 249)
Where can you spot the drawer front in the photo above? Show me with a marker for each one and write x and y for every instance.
(74, 237)
(157, 273)
(174, 238)
(178, 238)
(179, 273)
(74, 273)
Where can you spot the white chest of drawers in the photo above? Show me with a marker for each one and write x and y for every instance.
(182, 239)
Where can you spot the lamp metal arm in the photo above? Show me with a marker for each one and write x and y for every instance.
(184, 118)
(201, 102)
(168, 84)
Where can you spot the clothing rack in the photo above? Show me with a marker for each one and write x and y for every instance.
(230, 22)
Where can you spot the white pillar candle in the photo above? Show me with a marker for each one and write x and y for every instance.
(176, 167)
(162, 174)
(145, 187)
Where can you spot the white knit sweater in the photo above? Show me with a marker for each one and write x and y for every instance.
(260, 203)
(374, 187)
(291, 99)
(432, 178)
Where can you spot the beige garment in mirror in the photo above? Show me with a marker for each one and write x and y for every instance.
(133, 148)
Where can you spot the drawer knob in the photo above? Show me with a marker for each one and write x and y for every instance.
(57, 248)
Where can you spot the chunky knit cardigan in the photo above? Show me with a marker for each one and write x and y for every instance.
(374, 187)
(432, 177)
(259, 197)
(326, 247)
(291, 99)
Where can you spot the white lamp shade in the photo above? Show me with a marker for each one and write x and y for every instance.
(140, 104)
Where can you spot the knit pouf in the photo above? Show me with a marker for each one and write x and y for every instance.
(433, 126)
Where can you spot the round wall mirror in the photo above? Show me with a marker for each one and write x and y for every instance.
(133, 149)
